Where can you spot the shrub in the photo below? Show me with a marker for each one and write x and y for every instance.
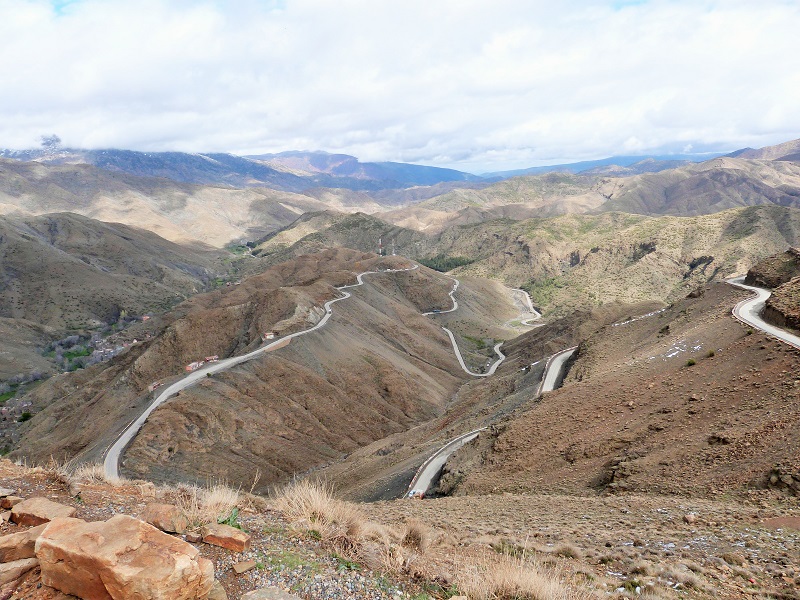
(344, 529)
(710, 354)
(26, 416)
(509, 578)
(690, 363)
(207, 505)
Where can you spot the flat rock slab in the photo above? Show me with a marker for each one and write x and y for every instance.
(226, 536)
(11, 571)
(35, 511)
(17, 546)
(166, 517)
(121, 558)
(243, 567)
(270, 593)
(6, 492)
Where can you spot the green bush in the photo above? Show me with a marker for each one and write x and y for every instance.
(690, 362)
(26, 416)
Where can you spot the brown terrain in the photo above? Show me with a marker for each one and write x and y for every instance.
(378, 368)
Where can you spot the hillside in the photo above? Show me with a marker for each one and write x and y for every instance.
(378, 368)
(179, 212)
(707, 187)
(69, 272)
(785, 151)
(572, 261)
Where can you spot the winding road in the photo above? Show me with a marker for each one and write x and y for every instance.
(430, 469)
(554, 370)
(749, 312)
(456, 349)
(112, 456)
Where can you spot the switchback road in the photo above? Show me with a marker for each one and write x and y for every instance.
(112, 456)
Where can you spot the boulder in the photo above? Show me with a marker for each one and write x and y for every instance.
(16, 546)
(217, 592)
(12, 571)
(226, 536)
(35, 511)
(121, 558)
(10, 501)
(166, 517)
(6, 492)
(270, 593)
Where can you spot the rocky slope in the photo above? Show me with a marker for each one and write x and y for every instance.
(681, 402)
(572, 261)
(377, 368)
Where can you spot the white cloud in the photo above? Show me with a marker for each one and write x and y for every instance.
(470, 84)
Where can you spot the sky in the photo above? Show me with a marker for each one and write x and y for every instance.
(476, 85)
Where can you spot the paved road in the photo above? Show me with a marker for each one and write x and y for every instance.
(457, 351)
(460, 358)
(112, 457)
(749, 312)
(554, 370)
(527, 301)
(430, 469)
(456, 283)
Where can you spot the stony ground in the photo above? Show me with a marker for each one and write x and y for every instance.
(287, 558)
(730, 549)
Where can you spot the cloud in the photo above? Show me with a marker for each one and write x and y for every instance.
(469, 84)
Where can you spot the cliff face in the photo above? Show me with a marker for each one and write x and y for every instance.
(775, 270)
(781, 273)
(783, 307)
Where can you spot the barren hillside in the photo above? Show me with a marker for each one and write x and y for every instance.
(377, 368)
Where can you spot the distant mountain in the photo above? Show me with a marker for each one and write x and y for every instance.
(297, 172)
(180, 212)
(706, 188)
(786, 151)
(647, 163)
(390, 174)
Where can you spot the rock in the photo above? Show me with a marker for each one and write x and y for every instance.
(16, 546)
(120, 558)
(5, 516)
(270, 593)
(10, 501)
(217, 592)
(243, 567)
(12, 571)
(689, 518)
(193, 537)
(6, 492)
(35, 511)
(226, 536)
(166, 517)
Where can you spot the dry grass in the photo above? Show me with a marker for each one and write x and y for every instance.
(94, 473)
(346, 530)
(205, 505)
(509, 578)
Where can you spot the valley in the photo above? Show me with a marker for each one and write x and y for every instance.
(268, 335)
